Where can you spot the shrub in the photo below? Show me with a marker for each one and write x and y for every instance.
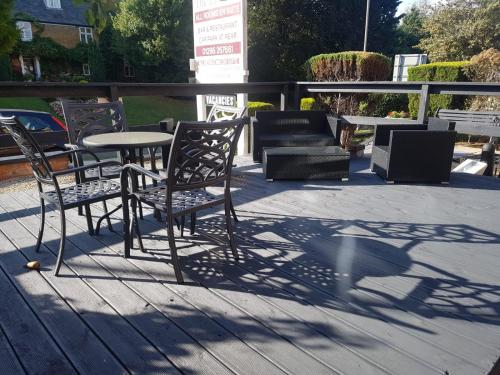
(347, 66)
(484, 67)
(5, 69)
(441, 72)
(258, 106)
(380, 105)
(308, 104)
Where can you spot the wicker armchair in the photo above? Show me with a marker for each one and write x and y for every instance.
(82, 194)
(413, 153)
(201, 155)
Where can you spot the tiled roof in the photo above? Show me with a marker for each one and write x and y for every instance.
(70, 14)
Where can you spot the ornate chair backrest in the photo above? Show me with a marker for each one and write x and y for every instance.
(202, 154)
(223, 113)
(84, 119)
(29, 147)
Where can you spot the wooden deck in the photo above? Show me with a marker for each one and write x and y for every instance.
(350, 278)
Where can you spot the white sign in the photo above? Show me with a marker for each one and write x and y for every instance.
(220, 40)
(220, 49)
(225, 100)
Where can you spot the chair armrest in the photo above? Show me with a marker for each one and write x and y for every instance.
(382, 134)
(74, 152)
(335, 126)
(138, 169)
(99, 165)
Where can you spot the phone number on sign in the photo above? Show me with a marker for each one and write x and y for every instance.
(219, 49)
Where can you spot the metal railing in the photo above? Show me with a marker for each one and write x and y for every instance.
(289, 92)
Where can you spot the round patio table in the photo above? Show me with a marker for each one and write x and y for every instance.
(127, 143)
(128, 140)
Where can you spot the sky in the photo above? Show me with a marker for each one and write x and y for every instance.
(405, 4)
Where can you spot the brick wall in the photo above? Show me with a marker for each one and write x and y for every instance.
(68, 36)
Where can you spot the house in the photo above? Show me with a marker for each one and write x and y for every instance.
(62, 22)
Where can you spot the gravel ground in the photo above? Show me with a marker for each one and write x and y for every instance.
(29, 183)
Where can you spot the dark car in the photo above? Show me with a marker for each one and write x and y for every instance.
(36, 122)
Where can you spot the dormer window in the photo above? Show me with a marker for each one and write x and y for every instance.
(25, 30)
(53, 4)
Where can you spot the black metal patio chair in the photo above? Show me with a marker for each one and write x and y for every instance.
(81, 194)
(84, 119)
(201, 155)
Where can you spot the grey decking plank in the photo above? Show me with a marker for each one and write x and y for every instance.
(310, 254)
(435, 353)
(231, 317)
(259, 308)
(180, 348)
(34, 347)
(230, 351)
(225, 315)
(132, 349)
(9, 363)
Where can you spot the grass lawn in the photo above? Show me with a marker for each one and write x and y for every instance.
(34, 104)
(142, 110)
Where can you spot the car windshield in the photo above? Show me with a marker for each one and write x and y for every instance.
(35, 123)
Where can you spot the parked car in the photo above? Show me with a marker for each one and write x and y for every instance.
(36, 122)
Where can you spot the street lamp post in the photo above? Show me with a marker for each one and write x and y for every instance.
(366, 24)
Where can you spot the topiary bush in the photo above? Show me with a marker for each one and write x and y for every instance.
(440, 72)
(347, 66)
(308, 104)
(258, 106)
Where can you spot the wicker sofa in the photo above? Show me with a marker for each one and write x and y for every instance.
(293, 129)
(413, 153)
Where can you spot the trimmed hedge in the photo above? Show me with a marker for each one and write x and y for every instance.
(348, 66)
(440, 72)
(5, 69)
(308, 104)
(258, 106)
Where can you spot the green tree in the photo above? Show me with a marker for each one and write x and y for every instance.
(8, 31)
(283, 34)
(410, 30)
(156, 33)
(460, 29)
(98, 13)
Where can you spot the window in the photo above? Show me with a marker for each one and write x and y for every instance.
(128, 70)
(86, 34)
(86, 69)
(25, 30)
(53, 4)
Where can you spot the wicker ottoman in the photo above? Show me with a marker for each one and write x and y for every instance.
(305, 163)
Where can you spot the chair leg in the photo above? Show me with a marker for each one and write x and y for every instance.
(183, 224)
(80, 211)
(173, 249)
(229, 227)
(61, 243)
(135, 226)
(108, 220)
(126, 223)
(88, 215)
(233, 212)
(193, 223)
(42, 225)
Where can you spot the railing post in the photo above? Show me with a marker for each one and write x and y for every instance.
(284, 98)
(424, 104)
(296, 96)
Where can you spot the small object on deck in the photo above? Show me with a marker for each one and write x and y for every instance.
(471, 166)
(33, 265)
